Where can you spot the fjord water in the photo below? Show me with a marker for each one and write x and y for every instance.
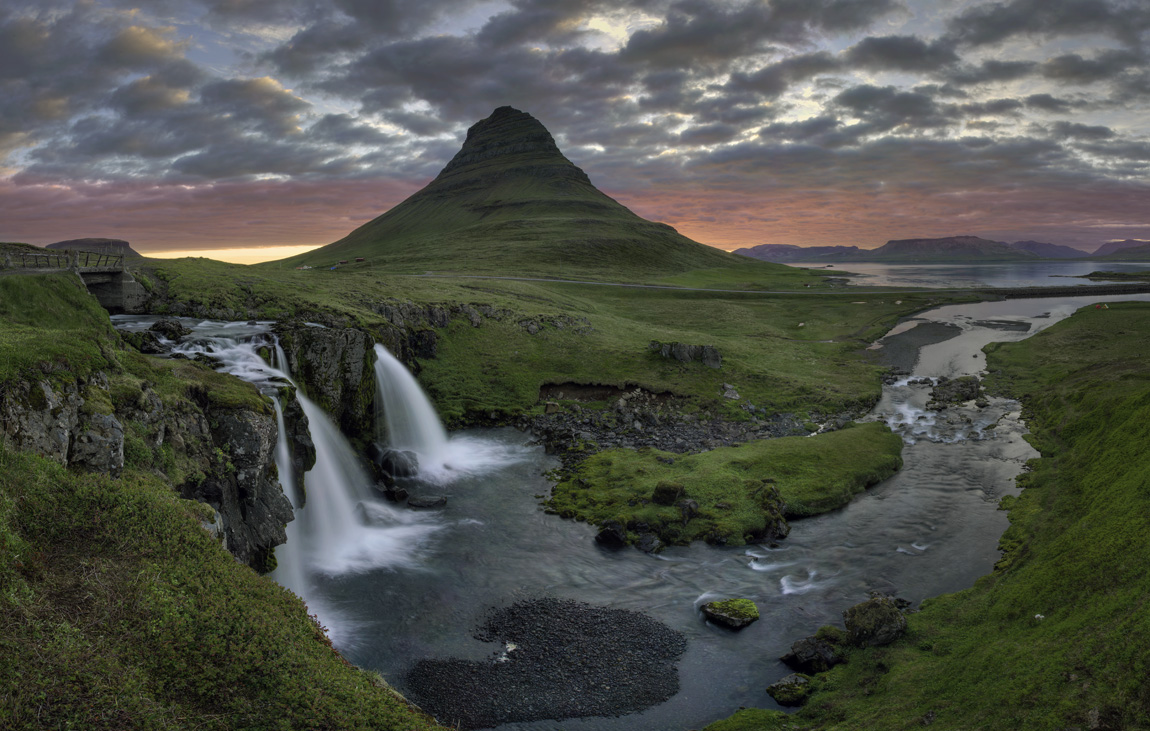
(930, 529)
(999, 274)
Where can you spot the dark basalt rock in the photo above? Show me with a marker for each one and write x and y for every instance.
(146, 342)
(394, 462)
(649, 543)
(170, 329)
(877, 621)
(812, 655)
(611, 534)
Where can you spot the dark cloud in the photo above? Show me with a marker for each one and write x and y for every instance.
(706, 32)
(1074, 130)
(994, 22)
(773, 80)
(1049, 103)
(345, 130)
(884, 109)
(993, 108)
(901, 53)
(1072, 68)
(991, 71)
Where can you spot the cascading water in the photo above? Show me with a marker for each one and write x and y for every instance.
(408, 419)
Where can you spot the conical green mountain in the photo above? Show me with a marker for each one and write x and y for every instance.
(509, 203)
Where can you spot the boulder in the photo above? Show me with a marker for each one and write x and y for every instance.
(877, 621)
(611, 534)
(731, 613)
(170, 329)
(812, 655)
(396, 462)
(792, 690)
(98, 444)
(144, 341)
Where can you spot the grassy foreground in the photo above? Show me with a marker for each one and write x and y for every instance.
(118, 611)
(1058, 636)
(812, 475)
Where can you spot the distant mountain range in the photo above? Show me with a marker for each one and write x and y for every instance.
(947, 249)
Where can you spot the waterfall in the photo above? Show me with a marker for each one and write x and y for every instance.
(408, 417)
(289, 559)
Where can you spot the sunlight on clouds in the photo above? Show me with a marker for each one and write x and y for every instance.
(248, 255)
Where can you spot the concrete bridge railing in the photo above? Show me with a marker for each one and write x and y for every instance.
(81, 260)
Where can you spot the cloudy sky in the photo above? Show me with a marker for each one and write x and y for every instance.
(216, 124)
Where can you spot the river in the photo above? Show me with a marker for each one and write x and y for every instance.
(930, 529)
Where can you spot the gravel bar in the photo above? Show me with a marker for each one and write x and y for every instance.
(561, 659)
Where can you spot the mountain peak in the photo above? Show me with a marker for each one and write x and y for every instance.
(507, 135)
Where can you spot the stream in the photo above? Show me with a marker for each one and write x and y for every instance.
(431, 577)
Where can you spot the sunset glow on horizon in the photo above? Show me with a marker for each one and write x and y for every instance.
(209, 126)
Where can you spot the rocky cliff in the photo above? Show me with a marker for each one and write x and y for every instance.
(221, 456)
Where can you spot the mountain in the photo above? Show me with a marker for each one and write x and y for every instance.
(948, 249)
(790, 252)
(1048, 251)
(510, 203)
(116, 247)
(1113, 247)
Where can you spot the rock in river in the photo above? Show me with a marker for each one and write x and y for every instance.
(732, 613)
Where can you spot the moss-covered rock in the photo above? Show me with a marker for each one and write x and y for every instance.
(877, 621)
(792, 690)
(731, 613)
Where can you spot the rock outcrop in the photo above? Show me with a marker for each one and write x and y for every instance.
(731, 613)
(335, 368)
(877, 621)
(708, 355)
(222, 457)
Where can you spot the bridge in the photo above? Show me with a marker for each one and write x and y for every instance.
(105, 275)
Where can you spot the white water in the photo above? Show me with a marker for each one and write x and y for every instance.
(406, 420)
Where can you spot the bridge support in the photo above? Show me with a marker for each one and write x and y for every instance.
(116, 291)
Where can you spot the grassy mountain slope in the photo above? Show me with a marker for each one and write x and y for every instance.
(509, 203)
(1058, 636)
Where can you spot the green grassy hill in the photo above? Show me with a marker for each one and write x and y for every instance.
(509, 203)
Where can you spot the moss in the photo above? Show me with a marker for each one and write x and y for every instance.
(742, 492)
(739, 608)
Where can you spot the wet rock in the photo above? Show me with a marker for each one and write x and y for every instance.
(949, 391)
(731, 613)
(395, 462)
(427, 501)
(649, 543)
(877, 621)
(792, 690)
(812, 655)
(611, 534)
(170, 329)
(335, 368)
